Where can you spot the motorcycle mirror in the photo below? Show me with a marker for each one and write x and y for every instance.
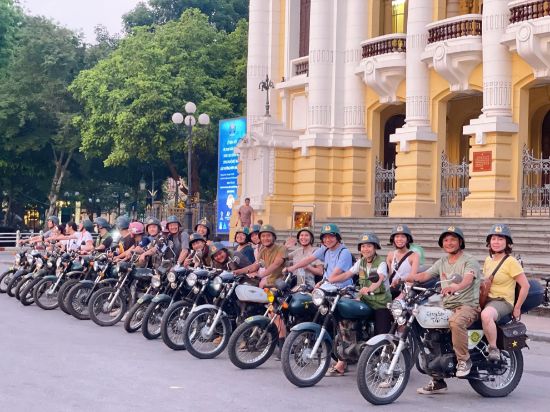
(374, 276)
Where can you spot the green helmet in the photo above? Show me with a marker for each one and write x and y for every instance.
(122, 222)
(153, 221)
(216, 247)
(255, 228)
(268, 228)
(54, 219)
(500, 230)
(172, 219)
(204, 222)
(401, 229)
(332, 229)
(101, 222)
(88, 225)
(369, 237)
(308, 230)
(195, 237)
(453, 230)
(244, 230)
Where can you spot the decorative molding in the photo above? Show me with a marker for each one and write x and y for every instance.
(354, 116)
(319, 115)
(324, 56)
(497, 93)
(418, 107)
(257, 70)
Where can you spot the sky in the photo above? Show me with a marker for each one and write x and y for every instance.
(82, 15)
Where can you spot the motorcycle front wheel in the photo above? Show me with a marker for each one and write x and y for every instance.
(196, 338)
(78, 299)
(26, 294)
(14, 281)
(372, 379)
(105, 309)
(5, 279)
(24, 281)
(171, 326)
(134, 318)
(251, 344)
(150, 327)
(502, 385)
(301, 366)
(44, 296)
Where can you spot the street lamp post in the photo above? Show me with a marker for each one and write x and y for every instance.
(190, 121)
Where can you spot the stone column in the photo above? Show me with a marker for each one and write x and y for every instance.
(495, 192)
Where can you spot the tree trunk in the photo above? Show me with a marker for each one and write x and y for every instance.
(61, 163)
(175, 175)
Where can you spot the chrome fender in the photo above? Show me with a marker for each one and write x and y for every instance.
(314, 327)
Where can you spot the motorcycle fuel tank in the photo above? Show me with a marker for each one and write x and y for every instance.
(433, 317)
(301, 304)
(247, 293)
(354, 309)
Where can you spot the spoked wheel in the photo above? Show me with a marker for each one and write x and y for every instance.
(301, 366)
(134, 319)
(24, 281)
(44, 294)
(373, 381)
(63, 293)
(78, 299)
(150, 327)
(26, 294)
(14, 281)
(198, 338)
(105, 309)
(252, 344)
(5, 279)
(171, 326)
(501, 385)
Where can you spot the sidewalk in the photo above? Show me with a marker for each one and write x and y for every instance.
(538, 327)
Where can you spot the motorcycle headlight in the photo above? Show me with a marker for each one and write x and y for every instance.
(58, 261)
(49, 264)
(171, 277)
(191, 279)
(217, 283)
(318, 297)
(155, 281)
(39, 263)
(96, 266)
(17, 259)
(396, 308)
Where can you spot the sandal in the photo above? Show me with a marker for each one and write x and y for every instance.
(332, 371)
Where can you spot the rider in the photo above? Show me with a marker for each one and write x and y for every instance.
(179, 237)
(200, 253)
(222, 258)
(86, 240)
(464, 305)
(126, 239)
(503, 286)
(52, 222)
(136, 230)
(254, 237)
(305, 238)
(271, 259)
(243, 243)
(104, 240)
(203, 228)
(153, 229)
(402, 261)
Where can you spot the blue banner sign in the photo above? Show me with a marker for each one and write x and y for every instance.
(231, 133)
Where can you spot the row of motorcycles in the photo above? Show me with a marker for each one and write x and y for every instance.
(206, 310)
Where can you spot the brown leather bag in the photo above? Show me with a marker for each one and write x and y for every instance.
(485, 285)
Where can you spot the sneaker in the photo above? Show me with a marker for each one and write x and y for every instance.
(434, 386)
(494, 354)
(463, 368)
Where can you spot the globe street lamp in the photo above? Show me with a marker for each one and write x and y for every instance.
(190, 121)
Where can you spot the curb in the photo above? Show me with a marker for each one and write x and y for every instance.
(538, 336)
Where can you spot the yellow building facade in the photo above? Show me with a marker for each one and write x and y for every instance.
(400, 108)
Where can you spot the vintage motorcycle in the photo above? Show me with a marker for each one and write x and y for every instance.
(384, 366)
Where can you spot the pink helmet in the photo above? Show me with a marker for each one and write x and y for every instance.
(137, 228)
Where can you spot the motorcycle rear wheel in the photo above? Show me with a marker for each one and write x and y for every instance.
(295, 358)
(195, 337)
(152, 319)
(246, 351)
(503, 384)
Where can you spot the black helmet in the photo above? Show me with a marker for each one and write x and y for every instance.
(368, 237)
(452, 230)
(308, 230)
(122, 222)
(101, 222)
(204, 222)
(88, 225)
(54, 220)
(401, 229)
(153, 221)
(500, 230)
(195, 237)
(172, 219)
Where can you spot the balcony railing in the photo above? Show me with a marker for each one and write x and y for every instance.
(391, 43)
(300, 66)
(455, 27)
(528, 10)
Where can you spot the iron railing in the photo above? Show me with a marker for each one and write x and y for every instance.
(529, 10)
(384, 182)
(535, 190)
(454, 186)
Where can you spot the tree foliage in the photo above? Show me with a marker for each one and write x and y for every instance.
(224, 14)
(129, 97)
(10, 18)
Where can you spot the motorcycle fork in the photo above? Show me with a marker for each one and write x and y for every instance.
(220, 311)
(324, 328)
(54, 286)
(401, 345)
(273, 319)
(114, 296)
(196, 301)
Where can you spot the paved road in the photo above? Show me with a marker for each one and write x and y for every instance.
(52, 362)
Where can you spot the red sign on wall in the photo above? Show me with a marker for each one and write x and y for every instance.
(483, 161)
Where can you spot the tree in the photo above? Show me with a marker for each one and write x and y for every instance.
(36, 109)
(224, 14)
(10, 18)
(129, 97)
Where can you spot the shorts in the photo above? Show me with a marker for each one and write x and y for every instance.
(502, 307)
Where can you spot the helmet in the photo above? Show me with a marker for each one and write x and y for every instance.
(153, 221)
(454, 231)
(204, 222)
(88, 225)
(368, 237)
(268, 228)
(500, 230)
(122, 222)
(244, 230)
(401, 229)
(195, 237)
(308, 230)
(216, 247)
(172, 219)
(54, 219)
(255, 228)
(332, 229)
(137, 228)
(101, 222)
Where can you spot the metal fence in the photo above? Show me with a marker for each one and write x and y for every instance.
(384, 182)
(454, 186)
(535, 189)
